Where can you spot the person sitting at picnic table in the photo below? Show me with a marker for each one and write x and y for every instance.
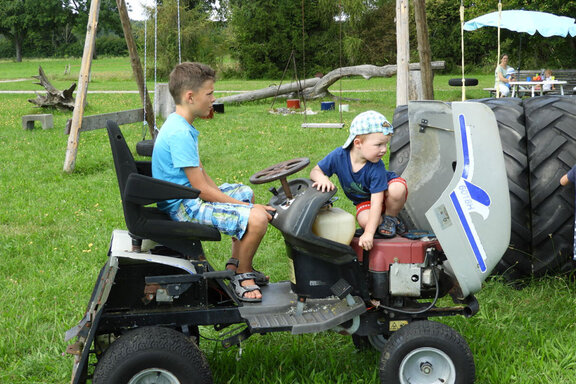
(503, 75)
(548, 77)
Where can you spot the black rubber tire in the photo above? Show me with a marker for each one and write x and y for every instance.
(159, 349)
(421, 342)
(509, 113)
(551, 134)
(400, 142)
(145, 147)
(467, 82)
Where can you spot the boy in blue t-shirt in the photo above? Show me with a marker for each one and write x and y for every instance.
(379, 195)
(228, 207)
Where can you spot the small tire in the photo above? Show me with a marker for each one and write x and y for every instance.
(153, 352)
(145, 147)
(467, 82)
(427, 352)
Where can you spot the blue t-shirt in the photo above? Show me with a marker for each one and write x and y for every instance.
(358, 186)
(175, 148)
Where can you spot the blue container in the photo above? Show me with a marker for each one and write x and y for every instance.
(327, 106)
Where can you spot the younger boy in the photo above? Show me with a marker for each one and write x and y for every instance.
(175, 158)
(364, 178)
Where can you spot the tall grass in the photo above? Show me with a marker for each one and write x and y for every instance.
(55, 230)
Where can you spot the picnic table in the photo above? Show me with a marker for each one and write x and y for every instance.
(535, 86)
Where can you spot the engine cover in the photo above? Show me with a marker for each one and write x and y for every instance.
(395, 250)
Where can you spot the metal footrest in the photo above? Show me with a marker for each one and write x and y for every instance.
(318, 314)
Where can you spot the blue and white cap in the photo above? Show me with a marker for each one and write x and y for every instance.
(368, 122)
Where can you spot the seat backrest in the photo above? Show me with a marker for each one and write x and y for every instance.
(139, 190)
(123, 159)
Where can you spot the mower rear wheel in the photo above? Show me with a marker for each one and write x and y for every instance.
(153, 354)
(426, 352)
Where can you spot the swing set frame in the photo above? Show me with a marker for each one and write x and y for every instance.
(147, 114)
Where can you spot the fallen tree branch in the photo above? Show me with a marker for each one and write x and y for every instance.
(54, 98)
(318, 87)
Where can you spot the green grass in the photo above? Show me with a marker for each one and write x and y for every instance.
(55, 230)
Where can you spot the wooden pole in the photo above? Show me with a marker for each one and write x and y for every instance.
(402, 52)
(136, 66)
(83, 79)
(424, 49)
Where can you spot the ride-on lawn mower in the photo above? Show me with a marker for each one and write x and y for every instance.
(157, 287)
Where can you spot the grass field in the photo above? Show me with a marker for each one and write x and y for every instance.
(55, 230)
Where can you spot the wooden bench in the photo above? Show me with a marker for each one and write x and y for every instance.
(491, 90)
(45, 118)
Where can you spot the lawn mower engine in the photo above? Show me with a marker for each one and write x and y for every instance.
(402, 267)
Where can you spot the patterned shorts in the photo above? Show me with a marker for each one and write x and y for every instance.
(230, 219)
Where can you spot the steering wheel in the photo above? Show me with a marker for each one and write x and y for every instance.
(279, 172)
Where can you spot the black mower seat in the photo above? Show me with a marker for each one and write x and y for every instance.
(138, 189)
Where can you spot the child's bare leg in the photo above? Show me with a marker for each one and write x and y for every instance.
(247, 246)
(395, 198)
(362, 218)
(235, 249)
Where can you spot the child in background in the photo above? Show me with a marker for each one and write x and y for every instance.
(548, 77)
(570, 177)
(377, 193)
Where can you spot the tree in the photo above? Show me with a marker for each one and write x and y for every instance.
(481, 45)
(267, 31)
(14, 21)
(201, 38)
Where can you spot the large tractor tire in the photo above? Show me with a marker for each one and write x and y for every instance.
(551, 134)
(509, 114)
(400, 142)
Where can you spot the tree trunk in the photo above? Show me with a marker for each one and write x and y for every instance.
(18, 45)
(318, 87)
(424, 49)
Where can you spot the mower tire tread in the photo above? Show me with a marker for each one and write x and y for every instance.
(153, 348)
(429, 336)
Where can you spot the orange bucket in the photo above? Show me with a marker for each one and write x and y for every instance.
(293, 103)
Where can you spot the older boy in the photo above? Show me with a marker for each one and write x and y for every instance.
(364, 178)
(175, 158)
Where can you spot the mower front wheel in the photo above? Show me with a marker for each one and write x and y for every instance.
(153, 355)
(426, 352)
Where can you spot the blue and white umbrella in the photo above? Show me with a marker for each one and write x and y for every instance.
(546, 24)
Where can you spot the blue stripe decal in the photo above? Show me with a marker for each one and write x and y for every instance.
(468, 231)
(465, 149)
